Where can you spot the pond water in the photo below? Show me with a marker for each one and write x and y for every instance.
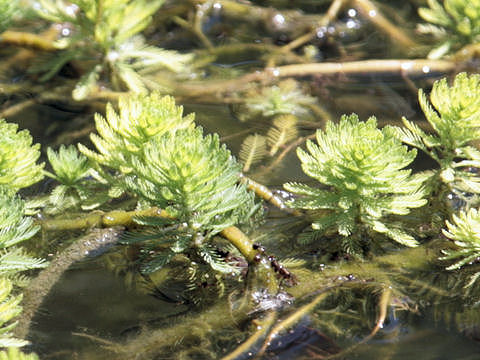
(103, 308)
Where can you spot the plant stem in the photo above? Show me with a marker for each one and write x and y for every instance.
(370, 11)
(330, 15)
(262, 326)
(27, 40)
(269, 75)
(100, 219)
(125, 218)
(266, 194)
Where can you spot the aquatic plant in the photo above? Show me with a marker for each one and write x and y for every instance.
(252, 151)
(14, 229)
(454, 114)
(7, 10)
(18, 168)
(10, 309)
(284, 129)
(123, 135)
(364, 171)
(455, 23)
(76, 189)
(165, 161)
(15, 354)
(464, 231)
(108, 32)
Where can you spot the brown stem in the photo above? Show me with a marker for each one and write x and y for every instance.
(399, 66)
(370, 11)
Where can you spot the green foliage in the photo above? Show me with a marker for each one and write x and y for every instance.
(284, 98)
(140, 118)
(14, 228)
(7, 10)
(108, 30)
(454, 114)
(465, 233)
(71, 170)
(364, 170)
(15, 354)
(18, 168)
(69, 166)
(9, 308)
(455, 24)
(193, 178)
(160, 157)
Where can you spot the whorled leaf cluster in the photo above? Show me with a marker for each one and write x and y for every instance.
(465, 233)
(14, 229)
(455, 23)
(362, 169)
(109, 31)
(140, 118)
(454, 114)
(18, 167)
(159, 156)
(73, 171)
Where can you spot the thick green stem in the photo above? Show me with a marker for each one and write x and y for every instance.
(266, 194)
(101, 219)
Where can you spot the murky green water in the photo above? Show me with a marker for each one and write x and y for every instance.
(103, 301)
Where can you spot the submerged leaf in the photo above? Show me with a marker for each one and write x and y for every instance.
(252, 150)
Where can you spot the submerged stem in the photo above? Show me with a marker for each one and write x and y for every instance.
(38, 288)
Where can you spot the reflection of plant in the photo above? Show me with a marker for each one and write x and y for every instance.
(107, 32)
(364, 168)
(455, 119)
(164, 160)
(456, 23)
(465, 233)
(18, 157)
